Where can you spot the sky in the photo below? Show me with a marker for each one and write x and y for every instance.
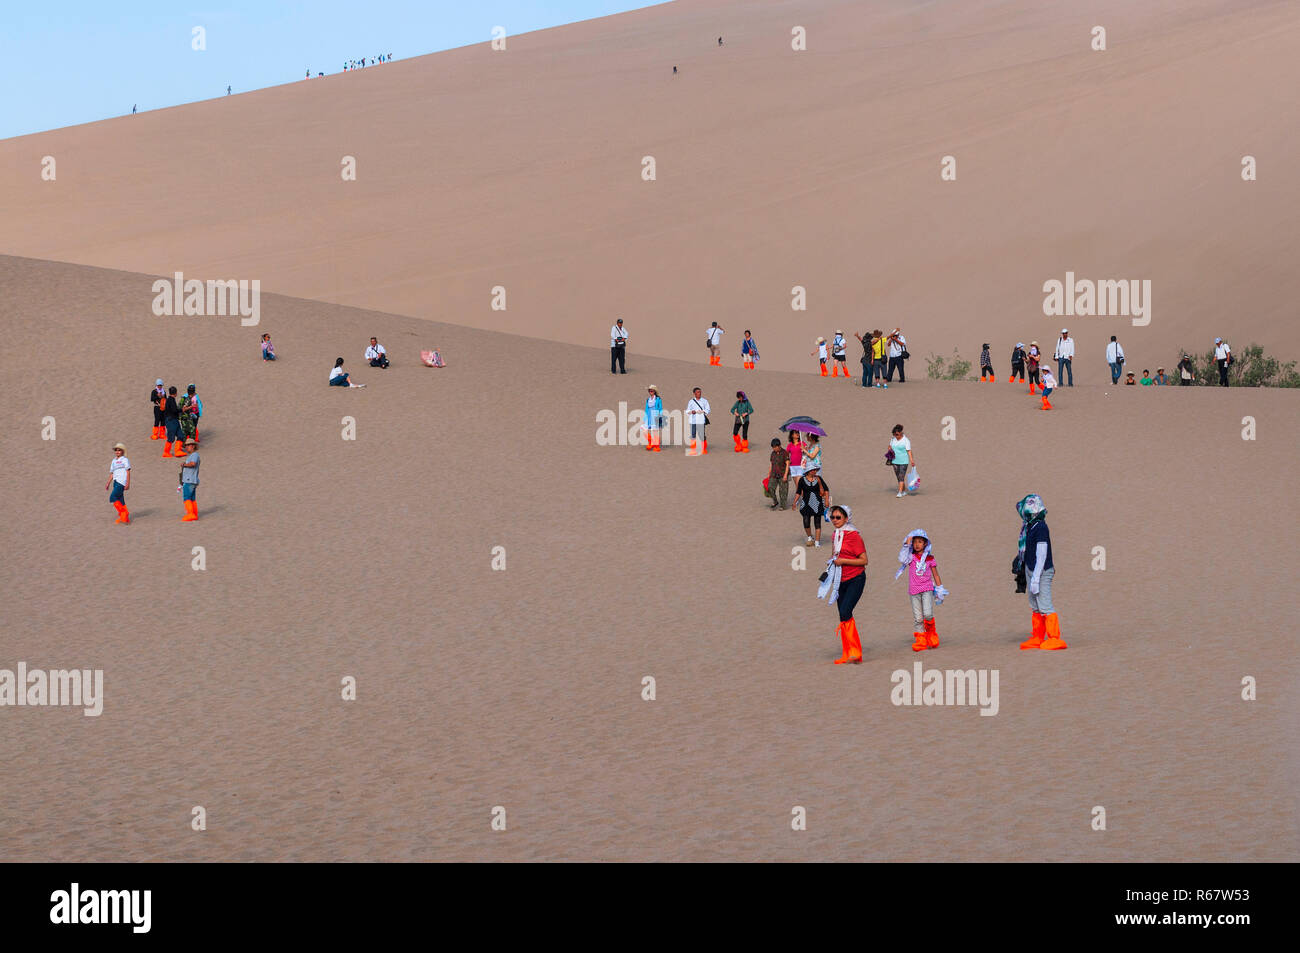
(64, 62)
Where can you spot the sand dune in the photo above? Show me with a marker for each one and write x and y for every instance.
(521, 688)
(775, 168)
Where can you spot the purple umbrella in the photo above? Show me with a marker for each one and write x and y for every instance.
(804, 427)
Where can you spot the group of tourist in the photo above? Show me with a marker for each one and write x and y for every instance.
(175, 422)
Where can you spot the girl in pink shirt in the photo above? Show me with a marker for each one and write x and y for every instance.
(923, 580)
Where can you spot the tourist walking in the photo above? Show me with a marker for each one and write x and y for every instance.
(1033, 362)
(986, 365)
(654, 415)
(844, 580)
(749, 352)
(778, 475)
(1017, 363)
(1115, 358)
(1065, 355)
(190, 481)
(697, 415)
(1223, 358)
(838, 355)
(901, 447)
(1035, 549)
(713, 336)
(119, 481)
(740, 412)
(812, 496)
(924, 587)
(618, 348)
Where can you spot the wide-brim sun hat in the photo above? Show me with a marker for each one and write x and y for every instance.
(118, 446)
(653, 388)
(821, 340)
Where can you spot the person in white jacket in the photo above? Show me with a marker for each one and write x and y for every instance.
(714, 338)
(1115, 358)
(1222, 357)
(697, 415)
(1065, 356)
(617, 347)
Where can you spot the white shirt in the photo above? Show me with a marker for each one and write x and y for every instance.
(1114, 353)
(337, 372)
(374, 351)
(1065, 348)
(837, 346)
(698, 407)
(617, 336)
(896, 346)
(118, 468)
(715, 335)
(1048, 379)
(1221, 352)
(821, 351)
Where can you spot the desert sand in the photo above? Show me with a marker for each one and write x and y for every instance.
(522, 688)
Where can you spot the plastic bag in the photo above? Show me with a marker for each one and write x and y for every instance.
(913, 480)
(432, 359)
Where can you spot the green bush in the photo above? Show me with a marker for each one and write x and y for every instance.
(939, 369)
(1250, 367)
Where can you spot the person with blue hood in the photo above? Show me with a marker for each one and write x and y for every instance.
(1036, 554)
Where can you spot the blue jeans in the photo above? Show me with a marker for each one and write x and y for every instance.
(117, 494)
(340, 381)
(868, 372)
(1115, 370)
(188, 490)
(1064, 364)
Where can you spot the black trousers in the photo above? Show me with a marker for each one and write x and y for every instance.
(158, 419)
(737, 427)
(616, 357)
(850, 593)
(895, 363)
(1223, 373)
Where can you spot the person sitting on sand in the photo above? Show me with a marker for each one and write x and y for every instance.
(1161, 377)
(339, 377)
(376, 354)
(1146, 378)
(268, 349)
(1130, 381)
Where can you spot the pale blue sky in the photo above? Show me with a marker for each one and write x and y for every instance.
(64, 62)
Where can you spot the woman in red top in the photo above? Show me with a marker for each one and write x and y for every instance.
(850, 558)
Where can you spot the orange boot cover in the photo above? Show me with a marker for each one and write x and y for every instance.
(1053, 640)
(919, 642)
(843, 633)
(744, 446)
(1039, 624)
(931, 635)
(167, 449)
(657, 437)
(855, 644)
(120, 510)
(735, 438)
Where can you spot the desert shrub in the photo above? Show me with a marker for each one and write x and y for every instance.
(939, 368)
(1251, 367)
